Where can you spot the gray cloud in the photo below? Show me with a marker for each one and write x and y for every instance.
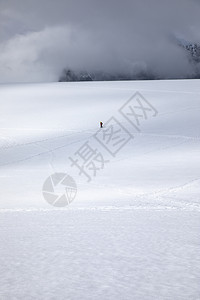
(39, 38)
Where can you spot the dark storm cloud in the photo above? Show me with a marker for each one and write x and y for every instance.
(39, 38)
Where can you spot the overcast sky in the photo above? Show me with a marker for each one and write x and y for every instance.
(38, 38)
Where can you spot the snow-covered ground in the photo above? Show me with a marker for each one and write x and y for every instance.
(133, 231)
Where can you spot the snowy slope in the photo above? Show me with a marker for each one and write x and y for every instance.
(133, 231)
(42, 125)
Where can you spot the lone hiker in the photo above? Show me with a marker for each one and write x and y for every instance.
(101, 124)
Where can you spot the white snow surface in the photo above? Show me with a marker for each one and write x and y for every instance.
(133, 232)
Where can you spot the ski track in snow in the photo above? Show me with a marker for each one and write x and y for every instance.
(35, 143)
